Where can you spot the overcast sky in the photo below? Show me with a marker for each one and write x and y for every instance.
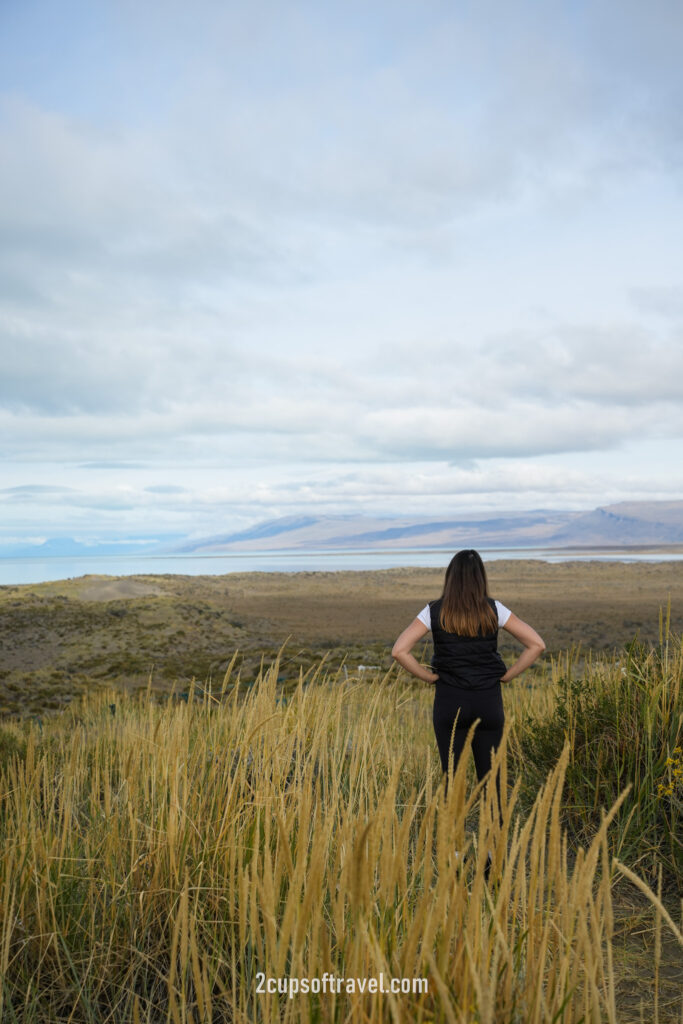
(390, 257)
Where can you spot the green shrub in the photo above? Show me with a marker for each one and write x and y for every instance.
(12, 744)
(623, 719)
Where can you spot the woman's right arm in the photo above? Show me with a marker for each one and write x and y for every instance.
(534, 646)
(400, 652)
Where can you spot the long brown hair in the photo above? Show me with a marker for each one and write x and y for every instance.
(464, 603)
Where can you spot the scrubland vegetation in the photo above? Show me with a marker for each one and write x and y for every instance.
(158, 853)
(59, 640)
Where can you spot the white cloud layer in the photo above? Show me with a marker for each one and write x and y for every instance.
(322, 251)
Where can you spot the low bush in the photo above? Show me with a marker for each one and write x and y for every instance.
(622, 717)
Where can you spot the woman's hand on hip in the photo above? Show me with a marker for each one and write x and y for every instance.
(401, 652)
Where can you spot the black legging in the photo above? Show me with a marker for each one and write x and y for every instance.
(486, 705)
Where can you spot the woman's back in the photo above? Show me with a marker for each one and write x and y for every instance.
(468, 662)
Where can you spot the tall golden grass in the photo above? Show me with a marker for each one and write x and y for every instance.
(156, 859)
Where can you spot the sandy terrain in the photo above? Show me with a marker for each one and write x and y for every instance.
(104, 588)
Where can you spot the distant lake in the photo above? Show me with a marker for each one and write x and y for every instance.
(42, 570)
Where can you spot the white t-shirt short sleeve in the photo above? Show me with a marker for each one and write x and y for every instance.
(503, 615)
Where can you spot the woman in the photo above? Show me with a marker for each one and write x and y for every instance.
(467, 668)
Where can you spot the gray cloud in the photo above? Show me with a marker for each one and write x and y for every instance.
(334, 426)
(269, 233)
(665, 301)
(166, 489)
(111, 464)
(615, 364)
(35, 490)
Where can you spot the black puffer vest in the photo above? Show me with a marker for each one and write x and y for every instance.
(469, 662)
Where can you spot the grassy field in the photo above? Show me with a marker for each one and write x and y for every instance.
(165, 844)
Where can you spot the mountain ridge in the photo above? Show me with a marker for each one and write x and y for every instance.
(619, 525)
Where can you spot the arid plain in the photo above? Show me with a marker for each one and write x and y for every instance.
(57, 639)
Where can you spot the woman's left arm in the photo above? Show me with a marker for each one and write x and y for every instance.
(400, 652)
(534, 646)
